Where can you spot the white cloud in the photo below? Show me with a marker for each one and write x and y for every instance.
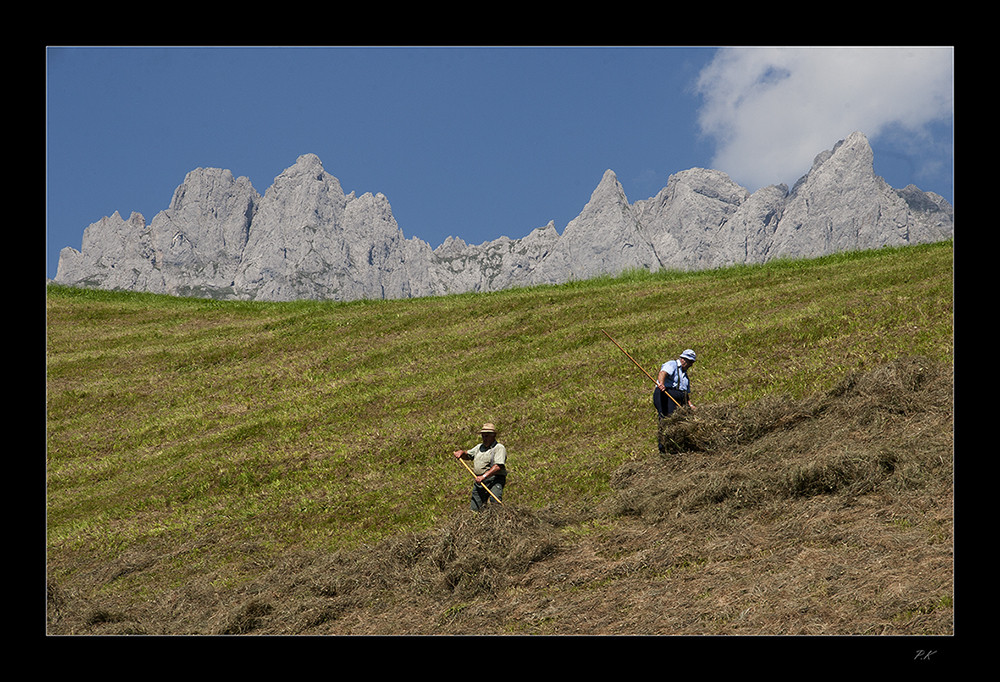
(771, 110)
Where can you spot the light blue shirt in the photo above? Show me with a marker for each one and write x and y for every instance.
(676, 376)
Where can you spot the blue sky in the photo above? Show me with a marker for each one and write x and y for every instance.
(477, 142)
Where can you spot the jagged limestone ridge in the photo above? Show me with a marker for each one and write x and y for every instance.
(306, 239)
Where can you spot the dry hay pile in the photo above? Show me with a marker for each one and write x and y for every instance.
(400, 584)
(827, 515)
(892, 425)
(385, 588)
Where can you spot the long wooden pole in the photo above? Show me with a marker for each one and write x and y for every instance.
(474, 475)
(640, 367)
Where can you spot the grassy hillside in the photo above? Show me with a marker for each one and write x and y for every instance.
(286, 467)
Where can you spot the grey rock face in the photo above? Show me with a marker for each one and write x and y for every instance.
(116, 254)
(305, 239)
(841, 205)
(199, 241)
(605, 238)
(685, 220)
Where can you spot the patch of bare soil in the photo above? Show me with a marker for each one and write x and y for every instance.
(826, 516)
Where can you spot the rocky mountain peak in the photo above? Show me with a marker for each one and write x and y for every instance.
(304, 238)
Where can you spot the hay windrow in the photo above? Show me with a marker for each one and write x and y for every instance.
(850, 441)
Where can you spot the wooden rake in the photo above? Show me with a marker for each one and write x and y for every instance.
(466, 464)
(640, 367)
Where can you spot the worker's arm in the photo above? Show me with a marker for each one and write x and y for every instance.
(495, 469)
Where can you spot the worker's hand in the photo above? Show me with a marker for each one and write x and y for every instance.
(659, 385)
(459, 453)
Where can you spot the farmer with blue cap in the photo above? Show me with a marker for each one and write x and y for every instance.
(673, 388)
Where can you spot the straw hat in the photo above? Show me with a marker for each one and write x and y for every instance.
(488, 428)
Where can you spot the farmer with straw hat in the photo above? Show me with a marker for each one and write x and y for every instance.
(488, 466)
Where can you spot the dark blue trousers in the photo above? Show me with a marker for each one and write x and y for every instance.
(664, 405)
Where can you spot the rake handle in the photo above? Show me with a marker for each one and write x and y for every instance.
(466, 465)
(640, 367)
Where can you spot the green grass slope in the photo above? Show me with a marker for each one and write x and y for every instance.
(286, 468)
